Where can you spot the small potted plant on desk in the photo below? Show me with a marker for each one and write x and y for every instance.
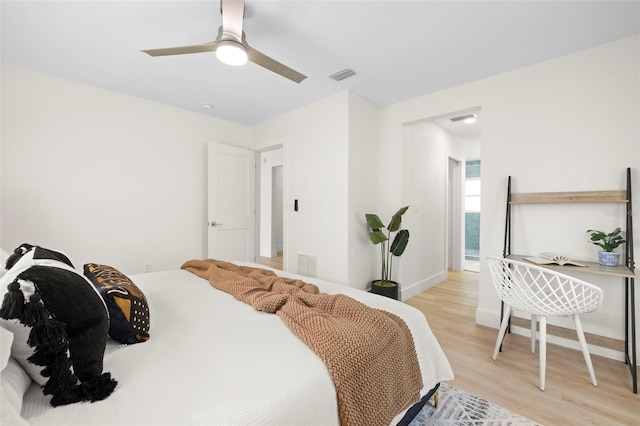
(608, 243)
(385, 286)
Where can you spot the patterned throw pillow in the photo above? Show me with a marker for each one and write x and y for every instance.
(128, 309)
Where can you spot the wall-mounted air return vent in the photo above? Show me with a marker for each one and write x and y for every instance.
(341, 75)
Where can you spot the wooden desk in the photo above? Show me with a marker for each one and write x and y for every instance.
(595, 268)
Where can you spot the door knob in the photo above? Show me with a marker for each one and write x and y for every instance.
(214, 223)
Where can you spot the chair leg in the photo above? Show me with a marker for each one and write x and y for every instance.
(503, 329)
(534, 323)
(543, 350)
(585, 349)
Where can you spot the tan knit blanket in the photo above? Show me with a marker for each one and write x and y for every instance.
(368, 352)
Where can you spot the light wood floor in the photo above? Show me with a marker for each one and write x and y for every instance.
(273, 262)
(512, 380)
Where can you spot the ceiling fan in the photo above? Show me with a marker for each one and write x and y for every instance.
(231, 45)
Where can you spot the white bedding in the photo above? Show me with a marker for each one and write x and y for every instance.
(212, 360)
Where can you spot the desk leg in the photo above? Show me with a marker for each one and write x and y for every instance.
(630, 326)
(634, 360)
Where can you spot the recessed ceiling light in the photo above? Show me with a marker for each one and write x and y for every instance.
(467, 119)
(206, 105)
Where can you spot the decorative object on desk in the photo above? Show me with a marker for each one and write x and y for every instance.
(546, 258)
(385, 286)
(608, 258)
(608, 243)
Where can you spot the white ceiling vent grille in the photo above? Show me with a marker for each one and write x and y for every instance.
(341, 75)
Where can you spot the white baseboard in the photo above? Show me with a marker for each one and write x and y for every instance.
(408, 292)
(573, 344)
(488, 318)
(492, 319)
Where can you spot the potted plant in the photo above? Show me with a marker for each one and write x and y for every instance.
(388, 250)
(608, 243)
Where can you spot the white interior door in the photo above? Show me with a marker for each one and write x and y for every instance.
(231, 205)
(456, 215)
(277, 214)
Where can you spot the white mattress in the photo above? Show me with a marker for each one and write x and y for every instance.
(212, 360)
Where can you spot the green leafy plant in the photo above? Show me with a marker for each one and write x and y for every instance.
(608, 242)
(388, 249)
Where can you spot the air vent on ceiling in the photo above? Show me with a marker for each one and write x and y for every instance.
(341, 75)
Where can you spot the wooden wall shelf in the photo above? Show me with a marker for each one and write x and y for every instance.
(569, 197)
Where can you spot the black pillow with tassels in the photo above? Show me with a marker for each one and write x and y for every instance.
(65, 313)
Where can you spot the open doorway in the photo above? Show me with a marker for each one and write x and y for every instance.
(472, 216)
(464, 233)
(277, 216)
(271, 209)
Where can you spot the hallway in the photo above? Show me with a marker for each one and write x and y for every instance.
(272, 262)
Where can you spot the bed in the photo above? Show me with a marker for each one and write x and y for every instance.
(213, 360)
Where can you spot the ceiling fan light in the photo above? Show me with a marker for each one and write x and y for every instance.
(231, 53)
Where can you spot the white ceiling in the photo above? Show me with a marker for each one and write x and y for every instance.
(399, 49)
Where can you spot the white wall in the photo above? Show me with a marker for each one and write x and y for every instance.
(566, 124)
(362, 198)
(314, 140)
(330, 167)
(104, 176)
(426, 148)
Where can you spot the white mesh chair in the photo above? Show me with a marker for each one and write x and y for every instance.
(542, 292)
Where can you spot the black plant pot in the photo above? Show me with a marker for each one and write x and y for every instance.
(387, 291)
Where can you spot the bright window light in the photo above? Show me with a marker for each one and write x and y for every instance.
(472, 204)
(472, 187)
(472, 195)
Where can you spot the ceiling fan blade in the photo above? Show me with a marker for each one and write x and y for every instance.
(196, 48)
(271, 64)
(232, 16)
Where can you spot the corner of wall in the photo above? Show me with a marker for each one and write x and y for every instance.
(417, 288)
(488, 318)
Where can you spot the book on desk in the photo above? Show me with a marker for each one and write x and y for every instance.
(548, 258)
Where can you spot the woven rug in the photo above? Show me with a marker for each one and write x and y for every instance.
(456, 407)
